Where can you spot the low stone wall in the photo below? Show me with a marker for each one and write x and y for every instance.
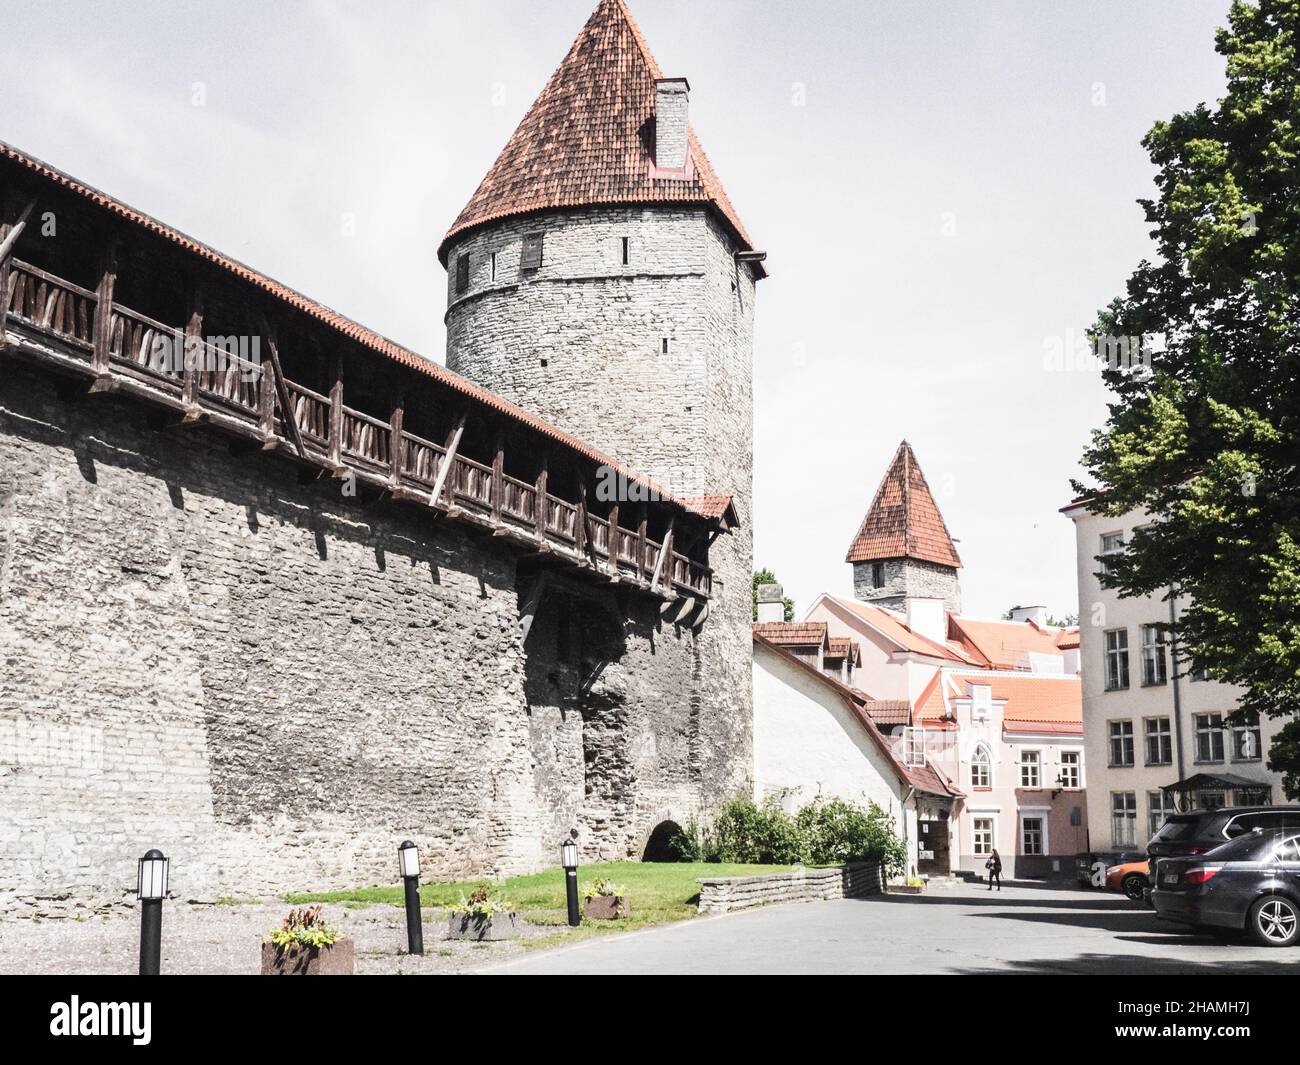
(722, 894)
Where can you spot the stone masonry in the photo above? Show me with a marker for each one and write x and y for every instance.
(904, 578)
(275, 685)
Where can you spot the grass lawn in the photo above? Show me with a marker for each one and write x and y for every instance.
(658, 892)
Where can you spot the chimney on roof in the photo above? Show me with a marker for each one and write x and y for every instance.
(771, 603)
(926, 617)
(672, 96)
(1036, 614)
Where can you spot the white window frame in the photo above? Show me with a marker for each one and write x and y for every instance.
(1120, 655)
(1236, 733)
(1167, 735)
(1166, 808)
(992, 818)
(1037, 764)
(1078, 766)
(1114, 549)
(1151, 652)
(1041, 814)
(1111, 738)
(1130, 820)
(981, 746)
(1208, 730)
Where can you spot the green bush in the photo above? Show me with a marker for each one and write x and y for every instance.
(824, 832)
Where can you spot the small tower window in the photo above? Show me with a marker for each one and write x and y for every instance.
(877, 574)
(462, 273)
(493, 262)
(663, 346)
(627, 250)
(532, 254)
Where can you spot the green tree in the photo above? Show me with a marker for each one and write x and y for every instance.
(766, 576)
(1205, 437)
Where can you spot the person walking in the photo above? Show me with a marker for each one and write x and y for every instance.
(994, 866)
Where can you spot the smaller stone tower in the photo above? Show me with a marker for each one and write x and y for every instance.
(902, 549)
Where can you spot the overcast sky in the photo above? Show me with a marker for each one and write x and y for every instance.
(945, 191)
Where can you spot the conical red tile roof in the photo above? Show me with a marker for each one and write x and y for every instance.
(588, 138)
(904, 520)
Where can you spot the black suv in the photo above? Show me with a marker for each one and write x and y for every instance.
(1196, 833)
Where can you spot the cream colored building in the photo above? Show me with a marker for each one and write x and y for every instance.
(1145, 726)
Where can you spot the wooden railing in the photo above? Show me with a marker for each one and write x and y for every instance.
(232, 384)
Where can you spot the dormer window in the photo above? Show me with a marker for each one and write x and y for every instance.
(981, 701)
(531, 259)
(462, 273)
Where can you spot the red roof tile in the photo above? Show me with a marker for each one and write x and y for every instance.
(885, 712)
(587, 138)
(1003, 644)
(793, 633)
(367, 338)
(904, 520)
(1035, 702)
(895, 629)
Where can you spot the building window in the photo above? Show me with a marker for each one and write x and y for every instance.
(1247, 745)
(1153, 656)
(981, 768)
(531, 259)
(1209, 739)
(627, 250)
(1160, 744)
(1199, 673)
(493, 261)
(1071, 766)
(1031, 835)
(1030, 776)
(1123, 818)
(877, 574)
(1111, 544)
(663, 345)
(1211, 800)
(462, 273)
(1159, 807)
(982, 835)
(1116, 659)
(1121, 744)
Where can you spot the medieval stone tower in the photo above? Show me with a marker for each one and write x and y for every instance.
(600, 277)
(902, 549)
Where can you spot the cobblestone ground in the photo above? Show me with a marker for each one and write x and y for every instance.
(226, 939)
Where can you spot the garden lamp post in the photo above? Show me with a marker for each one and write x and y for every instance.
(151, 889)
(569, 859)
(408, 862)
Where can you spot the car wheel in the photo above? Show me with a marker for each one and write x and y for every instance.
(1274, 921)
(1133, 886)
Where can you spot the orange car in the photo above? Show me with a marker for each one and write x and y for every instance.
(1132, 878)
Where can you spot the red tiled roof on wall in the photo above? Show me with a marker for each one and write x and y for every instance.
(588, 139)
(704, 506)
(904, 520)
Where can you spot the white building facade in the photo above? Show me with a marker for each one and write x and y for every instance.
(1147, 727)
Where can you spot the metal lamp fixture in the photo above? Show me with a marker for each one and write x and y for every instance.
(569, 859)
(408, 865)
(151, 888)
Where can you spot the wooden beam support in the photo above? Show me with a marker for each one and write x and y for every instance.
(395, 446)
(539, 518)
(613, 538)
(336, 414)
(193, 353)
(287, 415)
(665, 556)
(581, 531)
(101, 331)
(498, 476)
(448, 459)
(15, 231)
(641, 544)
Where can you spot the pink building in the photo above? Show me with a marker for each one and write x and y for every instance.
(994, 704)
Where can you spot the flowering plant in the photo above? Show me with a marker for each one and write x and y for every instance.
(304, 928)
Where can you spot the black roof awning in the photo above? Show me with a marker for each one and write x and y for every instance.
(1249, 792)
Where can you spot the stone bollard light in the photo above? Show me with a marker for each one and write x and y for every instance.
(151, 889)
(408, 863)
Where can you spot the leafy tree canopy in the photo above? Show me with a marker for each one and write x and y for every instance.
(766, 576)
(1205, 439)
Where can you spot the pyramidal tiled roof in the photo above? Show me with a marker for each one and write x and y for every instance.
(904, 520)
(588, 138)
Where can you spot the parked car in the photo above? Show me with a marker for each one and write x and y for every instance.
(1203, 830)
(1132, 878)
(1250, 883)
(1091, 867)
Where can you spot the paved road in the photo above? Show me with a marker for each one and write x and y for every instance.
(1024, 929)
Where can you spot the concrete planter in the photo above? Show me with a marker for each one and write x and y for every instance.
(906, 889)
(606, 907)
(482, 929)
(338, 959)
